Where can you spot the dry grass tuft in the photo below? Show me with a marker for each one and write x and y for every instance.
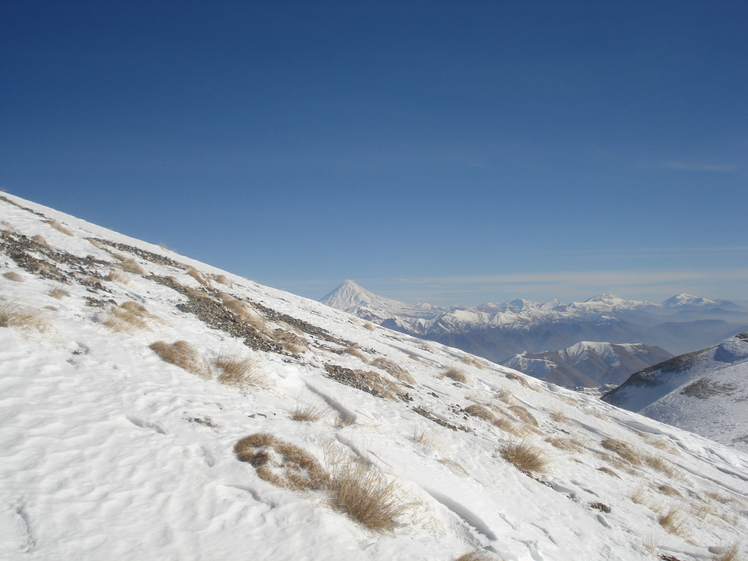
(118, 276)
(472, 361)
(184, 355)
(608, 471)
(481, 412)
(668, 490)
(23, 319)
(291, 342)
(517, 378)
(394, 370)
(526, 457)
(559, 416)
(132, 266)
(353, 351)
(238, 371)
(454, 466)
(58, 293)
(509, 426)
(364, 494)
(198, 276)
(128, 317)
(524, 415)
(731, 553)
(673, 521)
(40, 240)
(222, 279)
(424, 437)
(456, 374)
(369, 326)
(281, 463)
(624, 451)
(13, 276)
(568, 444)
(477, 555)
(310, 413)
(345, 418)
(663, 466)
(243, 312)
(59, 227)
(660, 443)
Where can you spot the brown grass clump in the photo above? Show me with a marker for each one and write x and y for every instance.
(624, 451)
(22, 319)
(238, 371)
(568, 444)
(526, 457)
(364, 494)
(59, 227)
(454, 466)
(559, 417)
(673, 521)
(40, 240)
(668, 490)
(222, 279)
(729, 554)
(13, 276)
(456, 374)
(132, 266)
(281, 463)
(309, 413)
(608, 471)
(472, 361)
(353, 351)
(517, 378)
(394, 370)
(117, 276)
(58, 293)
(524, 415)
(508, 426)
(423, 437)
(481, 412)
(198, 276)
(663, 466)
(477, 555)
(639, 497)
(243, 311)
(291, 342)
(184, 355)
(369, 326)
(128, 317)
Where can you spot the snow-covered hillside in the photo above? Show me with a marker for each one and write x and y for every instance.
(705, 392)
(153, 407)
(588, 363)
(498, 332)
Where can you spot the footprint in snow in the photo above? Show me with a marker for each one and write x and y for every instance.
(146, 425)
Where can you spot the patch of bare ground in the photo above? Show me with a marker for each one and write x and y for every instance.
(369, 382)
(281, 463)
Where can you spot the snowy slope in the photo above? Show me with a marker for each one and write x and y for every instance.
(705, 392)
(109, 452)
(588, 363)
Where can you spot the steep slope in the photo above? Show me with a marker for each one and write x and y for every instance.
(589, 364)
(498, 332)
(154, 407)
(704, 392)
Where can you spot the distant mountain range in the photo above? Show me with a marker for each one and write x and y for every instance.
(705, 392)
(589, 364)
(499, 332)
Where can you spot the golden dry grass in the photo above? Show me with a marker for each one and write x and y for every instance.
(559, 416)
(281, 463)
(222, 279)
(22, 318)
(517, 378)
(184, 355)
(240, 372)
(663, 466)
(308, 413)
(608, 471)
(132, 266)
(456, 374)
(198, 276)
(40, 240)
(477, 555)
(509, 426)
(243, 312)
(453, 466)
(624, 451)
(291, 342)
(353, 351)
(673, 521)
(394, 370)
(59, 227)
(13, 276)
(472, 361)
(481, 412)
(364, 493)
(524, 415)
(568, 444)
(369, 326)
(731, 553)
(668, 490)
(526, 457)
(58, 293)
(128, 317)
(424, 437)
(118, 276)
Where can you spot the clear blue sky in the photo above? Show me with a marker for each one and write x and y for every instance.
(442, 151)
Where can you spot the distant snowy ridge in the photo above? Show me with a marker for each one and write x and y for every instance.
(705, 392)
(499, 331)
(155, 407)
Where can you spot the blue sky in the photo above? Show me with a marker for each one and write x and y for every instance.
(442, 151)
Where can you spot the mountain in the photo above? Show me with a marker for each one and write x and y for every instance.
(705, 392)
(500, 331)
(589, 364)
(155, 407)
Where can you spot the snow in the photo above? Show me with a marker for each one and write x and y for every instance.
(110, 453)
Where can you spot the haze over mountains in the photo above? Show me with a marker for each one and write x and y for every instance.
(113, 448)
(501, 331)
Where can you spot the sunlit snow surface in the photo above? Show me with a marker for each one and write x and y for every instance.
(107, 452)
